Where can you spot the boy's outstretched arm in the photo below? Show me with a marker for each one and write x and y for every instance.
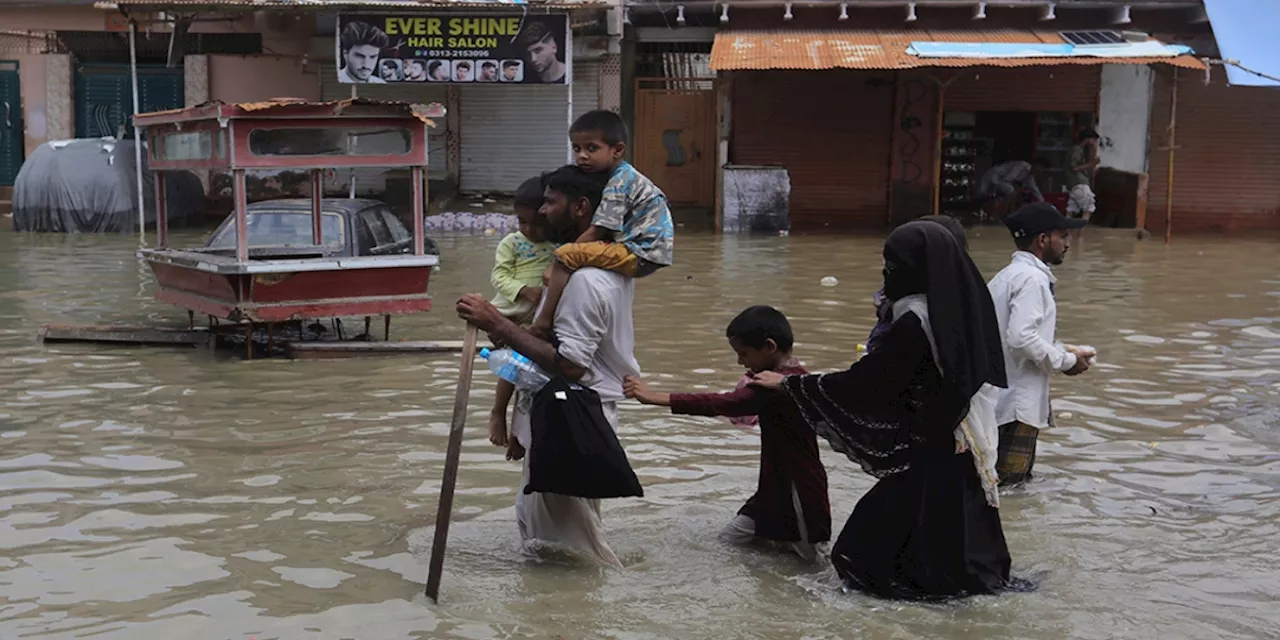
(746, 401)
(637, 390)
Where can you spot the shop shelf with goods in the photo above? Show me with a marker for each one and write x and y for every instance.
(959, 176)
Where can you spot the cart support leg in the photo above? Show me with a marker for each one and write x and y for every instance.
(270, 336)
(162, 212)
(317, 194)
(416, 184)
(248, 341)
(368, 321)
(240, 194)
(386, 328)
(191, 319)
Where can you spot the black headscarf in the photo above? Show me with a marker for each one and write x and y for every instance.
(922, 257)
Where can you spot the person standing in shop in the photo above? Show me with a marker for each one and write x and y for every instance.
(1082, 163)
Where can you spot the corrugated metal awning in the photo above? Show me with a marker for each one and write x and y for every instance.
(889, 49)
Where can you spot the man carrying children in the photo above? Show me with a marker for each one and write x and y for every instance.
(593, 346)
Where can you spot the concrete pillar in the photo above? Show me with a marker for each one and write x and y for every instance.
(59, 90)
(195, 79)
(610, 86)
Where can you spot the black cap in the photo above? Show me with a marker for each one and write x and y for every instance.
(1036, 218)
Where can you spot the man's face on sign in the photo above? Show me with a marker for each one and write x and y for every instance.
(361, 61)
(542, 54)
(487, 74)
(413, 70)
(509, 72)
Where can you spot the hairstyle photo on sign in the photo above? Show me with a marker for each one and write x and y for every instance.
(360, 45)
(415, 70)
(453, 48)
(543, 47)
(463, 71)
(488, 71)
(391, 70)
(512, 71)
(439, 71)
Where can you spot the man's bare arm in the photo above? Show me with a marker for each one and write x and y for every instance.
(478, 311)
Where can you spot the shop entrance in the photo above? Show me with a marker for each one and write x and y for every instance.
(975, 141)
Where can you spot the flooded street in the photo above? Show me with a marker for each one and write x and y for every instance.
(171, 493)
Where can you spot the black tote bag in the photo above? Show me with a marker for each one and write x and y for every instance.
(574, 450)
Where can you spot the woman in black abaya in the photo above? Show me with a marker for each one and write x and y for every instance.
(926, 529)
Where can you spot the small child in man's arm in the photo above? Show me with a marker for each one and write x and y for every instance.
(519, 262)
(790, 505)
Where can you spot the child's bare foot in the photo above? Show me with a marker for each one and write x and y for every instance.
(498, 429)
(514, 450)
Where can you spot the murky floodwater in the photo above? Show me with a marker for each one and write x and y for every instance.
(167, 493)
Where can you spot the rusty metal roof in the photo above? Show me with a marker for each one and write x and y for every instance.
(296, 107)
(343, 4)
(887, 49)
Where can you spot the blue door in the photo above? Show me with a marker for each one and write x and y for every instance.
(104, 97)
(11, 136)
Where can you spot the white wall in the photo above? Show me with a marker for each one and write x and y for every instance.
(1124, 109)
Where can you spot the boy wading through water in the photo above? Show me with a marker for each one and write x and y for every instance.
(790, 505)
(631, 233)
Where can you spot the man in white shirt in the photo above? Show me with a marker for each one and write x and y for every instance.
(594, 347)
(1028, 316)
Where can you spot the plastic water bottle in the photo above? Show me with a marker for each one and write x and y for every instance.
(516, 369)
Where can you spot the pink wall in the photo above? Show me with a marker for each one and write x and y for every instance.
(254, 78)
(281, 33)
(33, 86)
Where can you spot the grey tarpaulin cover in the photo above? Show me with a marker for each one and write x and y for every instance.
(89, 185)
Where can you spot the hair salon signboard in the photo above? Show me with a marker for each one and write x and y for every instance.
(453, 49)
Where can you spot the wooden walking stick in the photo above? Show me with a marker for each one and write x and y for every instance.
(451, 462)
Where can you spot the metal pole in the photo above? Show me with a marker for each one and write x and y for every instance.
(1173, 134)
(568, 87)
(137, 135)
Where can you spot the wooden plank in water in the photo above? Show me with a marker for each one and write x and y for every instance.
(318, 350)
(122, 334)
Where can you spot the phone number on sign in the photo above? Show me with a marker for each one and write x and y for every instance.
(452, 53)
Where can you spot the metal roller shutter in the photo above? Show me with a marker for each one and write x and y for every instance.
(839, 165)
(374, 180)
(510, 134)
(1227, 159)
(1050, 88)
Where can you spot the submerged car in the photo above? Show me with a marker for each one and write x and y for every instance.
(348, 228)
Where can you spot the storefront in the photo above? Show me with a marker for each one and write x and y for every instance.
(830, 130)
(1226, 156)
(875, 127)
(507, 120)
(993, 115)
